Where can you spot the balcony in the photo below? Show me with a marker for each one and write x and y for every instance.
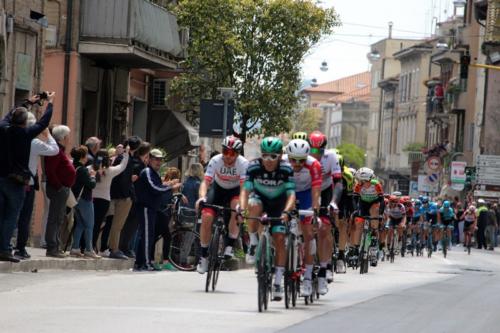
(129, 33)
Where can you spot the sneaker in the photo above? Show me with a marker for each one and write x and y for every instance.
(202, 267)
(228, 253)
(339, 269)
(118, 255)
(329, 273)
(130, 254)
(250, 256)
(306, 289)
(107, 253)
(55, 254)
(277, 292)
(169, 267)
(23, 254)
(322, 286)
(91, 255)
(75, 253)
(7, 256)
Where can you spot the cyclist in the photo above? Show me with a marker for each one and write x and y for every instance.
(269, 188)
(221, 186)
(396, 214)
(446, 216)
(470, 224)
(307, 177)
(432, 219)
(368, 197)
(417, 221)
(345, 207)
(331, 193)
(408, 204)
(299, 135)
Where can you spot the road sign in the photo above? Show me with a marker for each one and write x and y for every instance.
(433, 163)
(458, 172)
(488, 169)
(424, 185)
(492, 161)
(488, 194)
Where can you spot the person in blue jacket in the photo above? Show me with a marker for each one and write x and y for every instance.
(149, 190)
(446, 217)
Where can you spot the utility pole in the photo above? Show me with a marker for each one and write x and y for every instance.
(227, 93)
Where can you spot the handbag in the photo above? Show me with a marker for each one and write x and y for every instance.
(72, 201)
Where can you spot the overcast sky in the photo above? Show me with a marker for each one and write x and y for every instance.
(345, 51)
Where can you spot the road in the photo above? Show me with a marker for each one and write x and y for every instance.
(458, 294)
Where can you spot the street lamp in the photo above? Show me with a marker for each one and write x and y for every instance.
(314, 83)
(324, 66)
(374, 55)
(441, 45)
(226, 93)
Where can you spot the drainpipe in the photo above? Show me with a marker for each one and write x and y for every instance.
(67, 57)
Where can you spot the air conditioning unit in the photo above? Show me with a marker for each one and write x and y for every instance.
(160, 92)
(51, 36)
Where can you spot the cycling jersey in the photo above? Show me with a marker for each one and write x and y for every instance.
(227, 177)
(470, 217)
(419, 211)
(371, 193)
(269, 185)
(395, 212)
(447, 213)
(330, 169)
(432, 209)
(409, 212)
(309, 176)
(345, 204)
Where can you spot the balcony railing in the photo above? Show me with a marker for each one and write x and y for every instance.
(134, 25)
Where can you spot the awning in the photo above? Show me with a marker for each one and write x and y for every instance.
(171, 131)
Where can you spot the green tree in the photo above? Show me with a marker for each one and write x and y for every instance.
(306, 120)
(255, 46)
(354, 156)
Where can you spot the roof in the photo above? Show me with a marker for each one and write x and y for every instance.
(355, 87)
(425, 46)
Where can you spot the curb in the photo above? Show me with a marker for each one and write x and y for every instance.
(34, 265)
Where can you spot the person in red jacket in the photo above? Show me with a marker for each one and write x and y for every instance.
(61, 177)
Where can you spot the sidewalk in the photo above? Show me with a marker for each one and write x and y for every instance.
(39, 261)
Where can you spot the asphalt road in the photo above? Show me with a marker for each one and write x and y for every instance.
(458, 294)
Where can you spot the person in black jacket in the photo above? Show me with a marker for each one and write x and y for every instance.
(16, 137)
(149, 190)
(122, 192)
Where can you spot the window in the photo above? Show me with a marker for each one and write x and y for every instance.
(408, 87)
(160, 92)
(417, 82)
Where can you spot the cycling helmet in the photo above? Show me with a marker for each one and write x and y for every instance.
(298, 148)
(425, 199)
(481, 202)
(418, 202)
(405, 200)
(340, 158)
(420, 197)
(233, 143)
(397, 193)
(271, 145)
(300, 135)
(393, 199)
(446, 204)
(364, 174)
(353, 171)
(317, 140)
(433, 206)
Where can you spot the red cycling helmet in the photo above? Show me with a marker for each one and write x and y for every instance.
(393, 199)
(317, 140)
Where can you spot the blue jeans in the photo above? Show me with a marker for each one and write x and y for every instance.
(84, 219)
(11, 202)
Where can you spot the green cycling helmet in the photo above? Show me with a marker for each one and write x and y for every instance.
(271, 144)
(299, 135)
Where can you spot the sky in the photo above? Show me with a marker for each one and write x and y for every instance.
(346, 49)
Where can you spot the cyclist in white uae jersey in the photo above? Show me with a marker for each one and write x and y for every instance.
(221, 186)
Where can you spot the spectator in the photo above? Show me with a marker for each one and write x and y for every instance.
(102, 199)
(149, 189)
(61, 177)
(43, 145)
(84, 211)
(482, 222)
(93, 145)
(129, 230)
(192, 184)
(491, 228)
(16, 137)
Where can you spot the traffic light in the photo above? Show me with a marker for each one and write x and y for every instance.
(464, 65)
(470, 177)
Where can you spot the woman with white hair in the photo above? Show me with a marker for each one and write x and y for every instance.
(43, 145)
(61, 177)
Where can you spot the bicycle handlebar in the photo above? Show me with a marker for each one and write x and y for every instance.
(216, 207)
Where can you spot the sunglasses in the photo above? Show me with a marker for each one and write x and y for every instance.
(229, 152)
(297, 160)
(320, 151)
(270, 157)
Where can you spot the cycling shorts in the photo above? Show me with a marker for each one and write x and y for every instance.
(364, 207)
(447, 224)
(393, 222)
(415, 220)
(221, 197)
(305, 202)
(432, 219)
(326, 198)
(272, 208)
(346, 207)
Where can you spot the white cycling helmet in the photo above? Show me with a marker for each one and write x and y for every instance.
(298, 148)
(364, 174)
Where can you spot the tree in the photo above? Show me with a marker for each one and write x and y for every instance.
(255, 46)
(306, 120)
(354, 156)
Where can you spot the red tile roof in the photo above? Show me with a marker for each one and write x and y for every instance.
(354, 86)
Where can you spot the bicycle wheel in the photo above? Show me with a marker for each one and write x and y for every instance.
(219, 253)
(445, 246)
(212, 258)
(403, 244)
(262, 288)
(361, 258)
(184, 252)
(290, 263)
